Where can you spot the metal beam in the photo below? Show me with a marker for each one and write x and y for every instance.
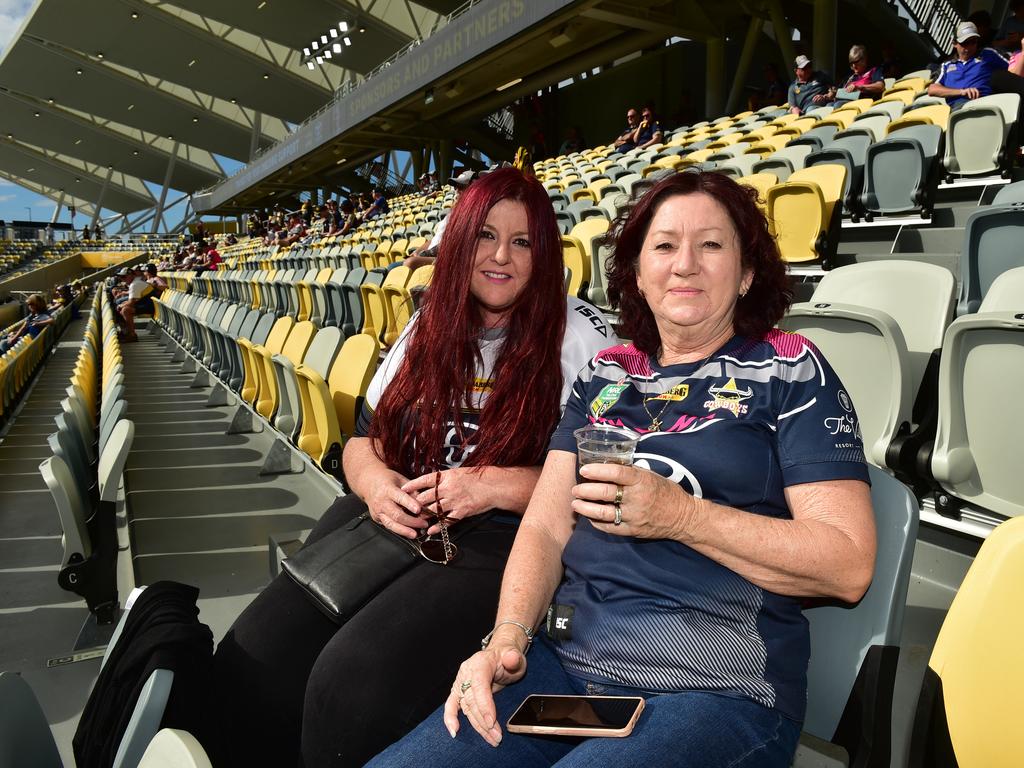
(714, 89)
(783, 33)
(158, 218)
(99, 201)
(743, 67)
(56, 210)
(824, 46)
(257, 124)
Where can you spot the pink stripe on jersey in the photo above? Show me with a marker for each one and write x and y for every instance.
(635, 362)
(788, 344)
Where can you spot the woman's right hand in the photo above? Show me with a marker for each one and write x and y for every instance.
(392, 507)
(486, 672)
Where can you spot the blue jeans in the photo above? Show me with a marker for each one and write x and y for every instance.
(692, 728)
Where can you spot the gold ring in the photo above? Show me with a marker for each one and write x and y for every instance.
(466, 685)
(618, 494)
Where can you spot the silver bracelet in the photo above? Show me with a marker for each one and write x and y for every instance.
(529, 634)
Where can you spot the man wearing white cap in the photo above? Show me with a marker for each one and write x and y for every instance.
(810, 89)
(967, 76)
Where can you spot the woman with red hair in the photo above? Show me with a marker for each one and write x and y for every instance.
(455, 423)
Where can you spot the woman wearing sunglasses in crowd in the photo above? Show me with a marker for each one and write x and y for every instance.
(456, 419)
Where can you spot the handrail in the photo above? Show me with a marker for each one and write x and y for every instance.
(936, 21)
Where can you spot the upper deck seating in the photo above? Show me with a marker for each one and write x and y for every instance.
(970, 709)
(976, 457)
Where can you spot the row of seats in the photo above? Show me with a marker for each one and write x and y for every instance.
(22, 360)
(89, 450)
(921, 381)
(306, 382)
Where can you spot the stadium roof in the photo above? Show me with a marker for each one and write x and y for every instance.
(97, 97)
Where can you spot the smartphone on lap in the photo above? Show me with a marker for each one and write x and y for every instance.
(557, 715)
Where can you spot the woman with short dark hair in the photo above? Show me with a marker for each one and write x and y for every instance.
(678, 578)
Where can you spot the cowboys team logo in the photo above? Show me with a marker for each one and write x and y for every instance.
(728, 397)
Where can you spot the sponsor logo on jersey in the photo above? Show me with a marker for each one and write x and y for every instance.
(843, 425)
(676, 394)
(606, 398)
(728, 397)
(482, 386)
(845, 402)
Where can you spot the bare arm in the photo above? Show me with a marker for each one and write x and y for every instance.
(381, 488)
(655, 139)
(826, 550)
(532, 573)
(1017, 67)
(937, 89)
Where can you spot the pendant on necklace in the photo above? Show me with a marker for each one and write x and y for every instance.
(655, 426)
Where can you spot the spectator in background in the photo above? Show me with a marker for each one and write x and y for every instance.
(208, 259)
(37, 319)
(98, 234)
(139, 300)
(158, 283)
(425, 256)
(49, 234)
(573, 141)
(624, 142)
(295, 232)
(349, 220)
(810, 89)
(86, 233)
(774, 91)
(649, 131)
(378, 207)
(864, 82)
(1012, 32)
(1012, 80)
(969, 75)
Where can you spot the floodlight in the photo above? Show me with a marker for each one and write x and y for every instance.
(311, 65)
(334, 32)
(343, 26)
(327, 54)
(319, 59)
(305, 52)
(347, 41)
(337, 47)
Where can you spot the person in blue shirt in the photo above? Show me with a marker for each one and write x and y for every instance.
(37, 319)
(377, 207)
(678, 578)
(810, 89)
(967, 77)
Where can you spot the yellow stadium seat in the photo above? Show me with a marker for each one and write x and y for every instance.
(260, 352)
(576, 261)
(329, 408)
(767, 146)
(857, 106)
(933, 114)
(293, 350)
(395, 294)
(914, 85)
(762, 182)
(970, 702)
(802, 212)
(840, 118)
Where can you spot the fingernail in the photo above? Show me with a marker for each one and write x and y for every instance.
(451, 733)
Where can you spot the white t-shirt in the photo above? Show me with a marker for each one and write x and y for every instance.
(436, 239)
(587, 332)
(139, 289)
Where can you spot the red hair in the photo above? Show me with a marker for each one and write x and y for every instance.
(434, 383)
(769, 295)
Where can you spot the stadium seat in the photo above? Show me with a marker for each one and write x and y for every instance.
(375, 314)
(741, 165)
(816, 137)
(992, 245)
(880, 324)
(762, 182)
(804, 212)
(855, 648)
(1011, 193)
(891, 109)
(331, 405)
(352, 318)
(900, 172)
(930, 114)
(970, 709)
(281, 366)
(319, 355)
(977, 138)
(975, 458)
(872, 125)
(260, 355)
(395, 294)
(249, 384)
(850, 151)
(783, 162)
(172, 748)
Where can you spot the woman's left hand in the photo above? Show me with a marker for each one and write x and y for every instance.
(461, 491)
(651, 506)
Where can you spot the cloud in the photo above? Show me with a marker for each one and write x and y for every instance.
(7, 198)
(44, 203)
(12, 13)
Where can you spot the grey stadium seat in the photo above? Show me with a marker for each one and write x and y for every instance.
(978, 133)
(976, 456)
(899, 172)
(992, 245)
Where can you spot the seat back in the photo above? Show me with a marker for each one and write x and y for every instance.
(349, 377)
(970, 708)
(917, 295)
(172, 748)
(25, 737)
(974, 140)
(897, 169)
(854, 648)
(975, 456)
(992, 245)
(1011, 193)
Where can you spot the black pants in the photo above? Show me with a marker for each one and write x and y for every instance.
(287, 680)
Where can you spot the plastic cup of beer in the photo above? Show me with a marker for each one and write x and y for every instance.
(605, 444)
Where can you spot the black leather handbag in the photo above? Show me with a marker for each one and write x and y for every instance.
(348, 567)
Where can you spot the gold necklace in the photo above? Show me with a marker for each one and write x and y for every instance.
(656, 420)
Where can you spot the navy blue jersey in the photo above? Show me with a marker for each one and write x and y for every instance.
(757, 416)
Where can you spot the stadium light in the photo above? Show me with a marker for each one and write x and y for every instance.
(343, 26)
(347, 41)
(337, 47)
(327, 45)
(311, 65)
(509, 84)
(334, 32)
